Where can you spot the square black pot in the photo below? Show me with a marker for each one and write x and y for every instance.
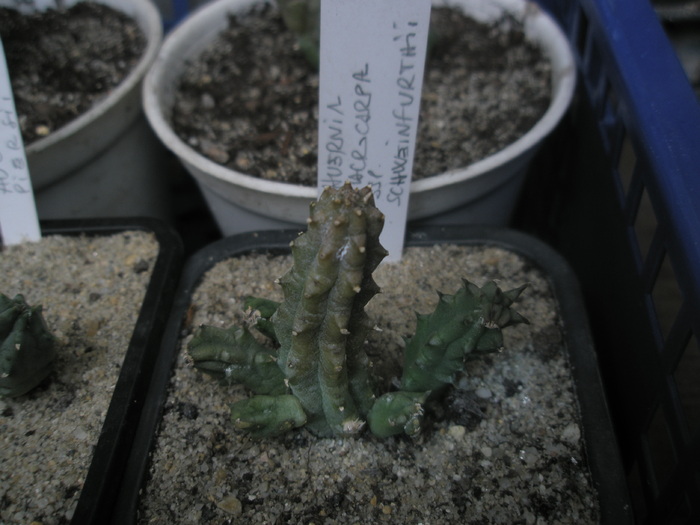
(600, 442)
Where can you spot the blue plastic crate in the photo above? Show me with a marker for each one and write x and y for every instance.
(173, 11)
(624, 208)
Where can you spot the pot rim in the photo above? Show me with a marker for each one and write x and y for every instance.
(148, 18)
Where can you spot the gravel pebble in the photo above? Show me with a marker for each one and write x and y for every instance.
(483, 393)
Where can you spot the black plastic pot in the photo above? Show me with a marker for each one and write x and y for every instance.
(104, 476)
(600, 442)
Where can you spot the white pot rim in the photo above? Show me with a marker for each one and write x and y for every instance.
(153, 30)
(216, 12)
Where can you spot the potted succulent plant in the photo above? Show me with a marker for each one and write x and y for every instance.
(80, 108)
(483, 191)
(521, 432)
(76, 363)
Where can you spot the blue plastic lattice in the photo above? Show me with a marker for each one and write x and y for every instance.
(173, 11)
(628, 218)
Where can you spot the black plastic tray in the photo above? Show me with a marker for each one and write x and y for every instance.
(601, 445)
(104, 476)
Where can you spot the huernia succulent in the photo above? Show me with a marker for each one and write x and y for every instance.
(315, 372)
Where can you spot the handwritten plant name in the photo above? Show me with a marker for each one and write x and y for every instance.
(347, 153)
(404, 113)
(14, 177)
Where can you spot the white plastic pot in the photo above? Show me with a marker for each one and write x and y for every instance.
(107, 162)
(484, 192)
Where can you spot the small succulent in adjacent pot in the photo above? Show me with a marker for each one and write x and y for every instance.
(303, 18)
(27, 348)
(316, 373)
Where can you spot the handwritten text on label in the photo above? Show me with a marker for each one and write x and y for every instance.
(371, 69)
(18, 219)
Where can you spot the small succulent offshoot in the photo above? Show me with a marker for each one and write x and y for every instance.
(303, 18)
(27, 348)
(315, 371)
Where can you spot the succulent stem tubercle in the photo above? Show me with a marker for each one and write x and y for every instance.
(27, 348)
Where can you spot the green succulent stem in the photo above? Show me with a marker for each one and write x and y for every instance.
(27, 348)
(303, 18)
(466, 323)
(397, 413)
(263, 310)
(233, 355)
(268, 416)
(321, 324)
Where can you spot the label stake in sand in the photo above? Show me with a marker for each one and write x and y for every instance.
(18, 217)
(371, 75)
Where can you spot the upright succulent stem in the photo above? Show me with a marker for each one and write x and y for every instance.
(321, 325)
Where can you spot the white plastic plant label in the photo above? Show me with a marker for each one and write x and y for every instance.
(371, 74)
(18, 217)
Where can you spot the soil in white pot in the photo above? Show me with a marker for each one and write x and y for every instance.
(62, 62)
(505, 447)
(249, 102)
(91, 289)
